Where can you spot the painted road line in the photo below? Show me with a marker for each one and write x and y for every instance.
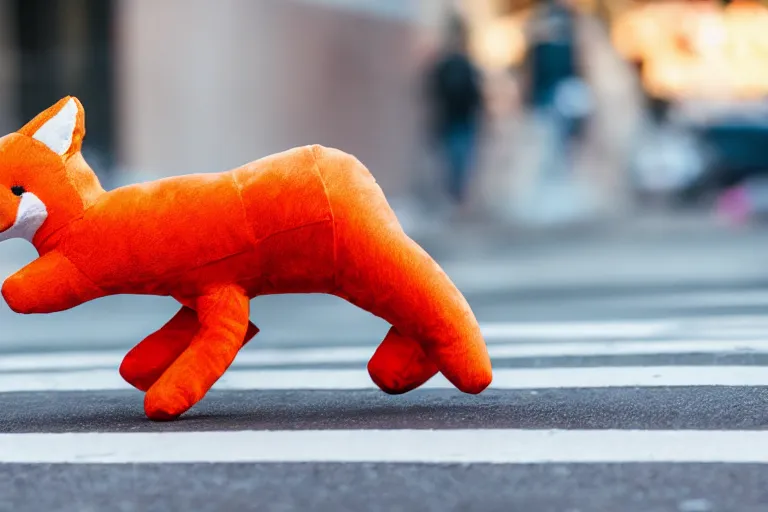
(575, 330)
(492, 331)
(493, 446)
(706, 329)
(741, 298)
(628, 348)
(710, 327)
(503, 379)
(361, 355)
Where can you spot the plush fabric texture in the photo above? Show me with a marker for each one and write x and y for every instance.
(307, 220)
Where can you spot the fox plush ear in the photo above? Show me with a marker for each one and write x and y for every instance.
(60, 127)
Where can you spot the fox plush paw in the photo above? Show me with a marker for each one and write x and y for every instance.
(166, 404)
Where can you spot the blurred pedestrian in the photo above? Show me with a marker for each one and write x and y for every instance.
(454, 91)
(560, 102)
(557, 94)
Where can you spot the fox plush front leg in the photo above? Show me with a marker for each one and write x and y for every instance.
(148, 360)
(223, 317)
(49, 284)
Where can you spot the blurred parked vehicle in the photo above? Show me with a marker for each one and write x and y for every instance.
(696, 153)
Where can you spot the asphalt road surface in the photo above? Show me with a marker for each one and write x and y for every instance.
(635, 398)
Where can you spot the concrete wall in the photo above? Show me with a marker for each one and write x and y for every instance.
(205, 86)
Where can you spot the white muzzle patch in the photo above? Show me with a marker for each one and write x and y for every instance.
(31, 215)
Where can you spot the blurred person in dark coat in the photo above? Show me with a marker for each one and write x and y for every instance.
(456, 103)
(556, 91)
(560, 102)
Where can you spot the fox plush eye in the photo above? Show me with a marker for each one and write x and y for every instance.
(18, 190)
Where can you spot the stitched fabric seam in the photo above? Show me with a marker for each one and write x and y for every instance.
(86, 276)
(333, 217)
(239, 192)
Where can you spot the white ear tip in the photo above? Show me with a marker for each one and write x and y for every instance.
(57, 132)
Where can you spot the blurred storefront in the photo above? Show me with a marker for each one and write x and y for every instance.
(51, 48)
(701, 65)
(700, 49)
(500, 41)
(680, 90)
(7, 70)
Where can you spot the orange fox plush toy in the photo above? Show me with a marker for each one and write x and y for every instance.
(308, 220)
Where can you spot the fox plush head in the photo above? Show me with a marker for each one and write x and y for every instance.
(44, 181)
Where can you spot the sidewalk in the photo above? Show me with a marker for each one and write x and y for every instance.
(647, 252)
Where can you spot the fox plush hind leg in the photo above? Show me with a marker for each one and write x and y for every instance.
(400, 365)
(147, 361)
(380, 269)
(434, 330)
(223, 318)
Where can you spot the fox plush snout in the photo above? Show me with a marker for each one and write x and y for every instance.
(308, 220)
(9, 211)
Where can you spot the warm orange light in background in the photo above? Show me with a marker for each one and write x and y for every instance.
(698, 49)
(501, 43)
(498, 39)
(689, 49)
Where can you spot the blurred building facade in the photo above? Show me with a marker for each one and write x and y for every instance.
(186, 86)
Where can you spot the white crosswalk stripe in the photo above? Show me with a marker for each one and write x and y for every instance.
(361, 354)
(546, 355)
(340, 379)
(498, 446)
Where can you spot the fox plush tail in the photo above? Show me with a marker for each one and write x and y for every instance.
(380, 269)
